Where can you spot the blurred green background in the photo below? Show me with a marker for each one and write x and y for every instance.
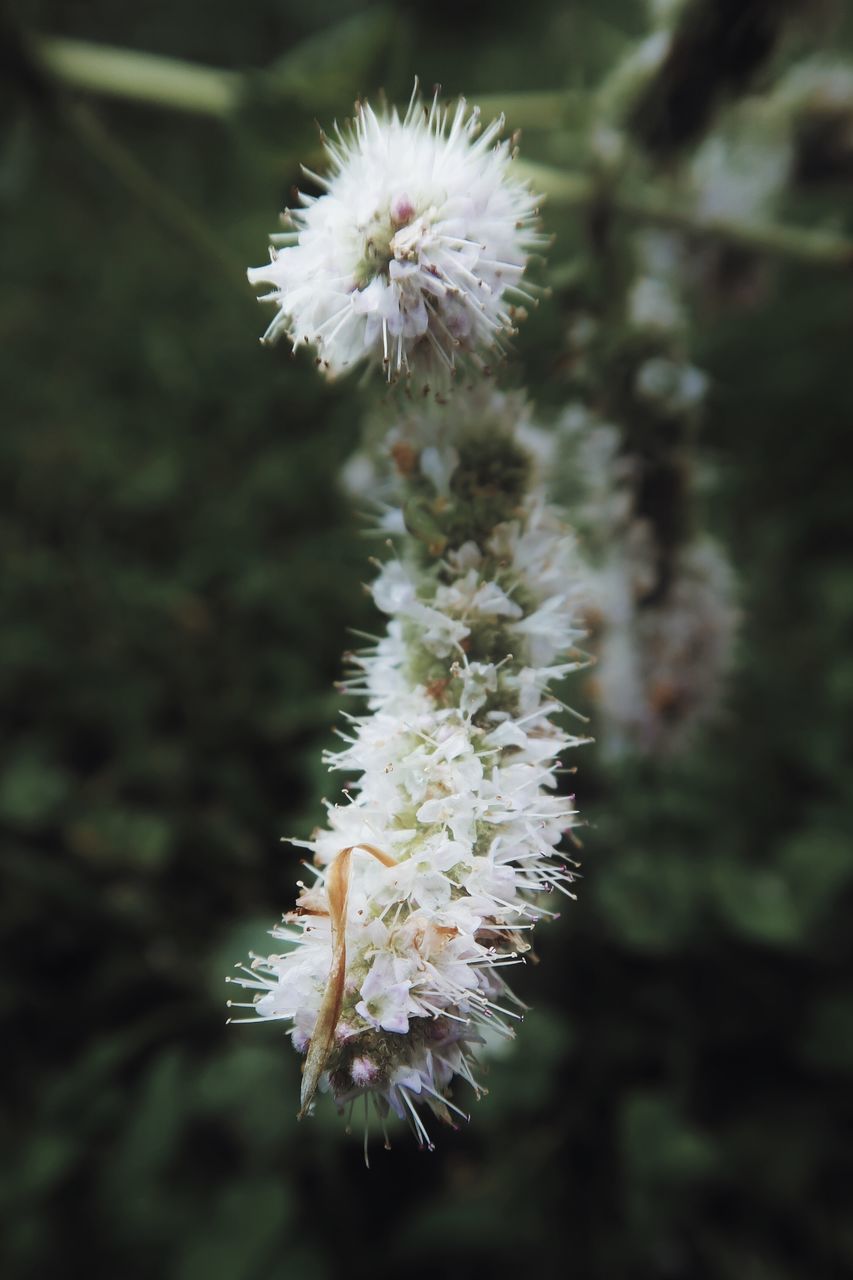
(180, 570)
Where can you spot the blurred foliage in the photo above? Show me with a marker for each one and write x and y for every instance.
(179, 574)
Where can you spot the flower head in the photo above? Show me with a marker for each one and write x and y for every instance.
(446, 852)
(413, 255)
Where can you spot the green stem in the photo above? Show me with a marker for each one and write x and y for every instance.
(167, 207)
(558, 109)
(141, 77)
(184, 86)
(799, 244)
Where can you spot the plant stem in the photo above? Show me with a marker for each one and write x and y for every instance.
(170, 210)
(549, 110)
(141, 77)
(799, 244)
(184, 86)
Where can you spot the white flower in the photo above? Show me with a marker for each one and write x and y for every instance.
(414, 253)
(384, 1003)
(478, 681)
(449, 836)
(662, 665)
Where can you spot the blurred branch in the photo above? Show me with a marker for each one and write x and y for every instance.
(168, 82)
(163, 203)
(800, 244)
(717, 48)
(318, 69)
(185, 86)
(141, 77)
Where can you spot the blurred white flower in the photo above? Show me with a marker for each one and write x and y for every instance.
(413, 255)
(663, 654)
(740, 171)
(671, 385)
(816, 85)
(654, 307)
(662, 665)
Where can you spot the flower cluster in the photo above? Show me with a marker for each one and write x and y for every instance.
(412, 256)
(431, 875)
(662, 664)
(664, 620)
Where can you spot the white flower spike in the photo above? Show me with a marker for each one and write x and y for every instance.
(412, 258)
(445, 855)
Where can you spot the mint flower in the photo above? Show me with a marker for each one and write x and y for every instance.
(445, 854)
(413, 255)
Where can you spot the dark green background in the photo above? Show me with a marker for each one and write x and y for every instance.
(179, 573)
